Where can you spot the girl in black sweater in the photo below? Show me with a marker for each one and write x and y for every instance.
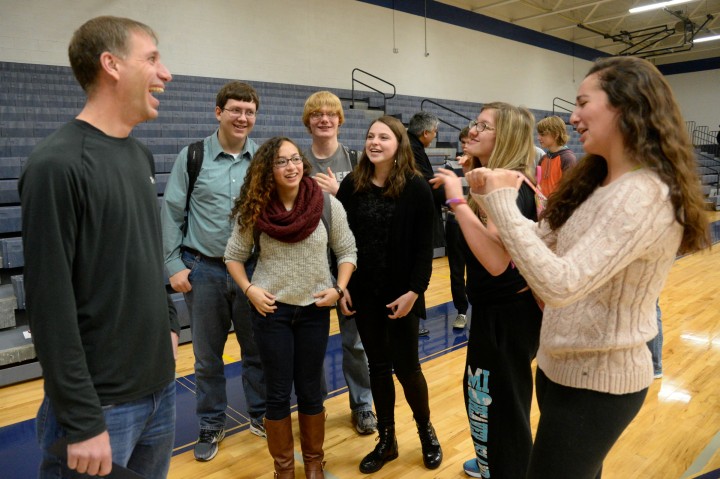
(390, 211)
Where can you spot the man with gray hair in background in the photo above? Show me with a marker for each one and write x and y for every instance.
(422, 130)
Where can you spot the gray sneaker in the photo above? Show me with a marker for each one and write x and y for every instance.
(206, 446)
(460, 322)
(365, 422)
(257, 428)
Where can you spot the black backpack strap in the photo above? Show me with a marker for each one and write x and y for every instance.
(327, 213)
(195, 155)
(353, 155)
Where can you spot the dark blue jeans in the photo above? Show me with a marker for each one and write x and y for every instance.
(215, 302)
(142, 434)
(656, 343)
(292, 343)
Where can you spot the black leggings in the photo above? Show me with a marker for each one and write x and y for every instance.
(392, 344)
(577, 429)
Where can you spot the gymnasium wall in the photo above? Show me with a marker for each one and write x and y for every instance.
(319, 42)
(699, 96)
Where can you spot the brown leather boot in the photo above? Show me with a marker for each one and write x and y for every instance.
(312, 436)
(280, 445)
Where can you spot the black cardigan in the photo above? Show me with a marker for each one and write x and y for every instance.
(410, 251)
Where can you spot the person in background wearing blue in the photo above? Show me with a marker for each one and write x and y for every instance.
(95, 287)
(656, 344)
(194, 262)
(331, 162)
(390, 211)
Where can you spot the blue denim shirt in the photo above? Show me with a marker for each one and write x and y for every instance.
(217, 186)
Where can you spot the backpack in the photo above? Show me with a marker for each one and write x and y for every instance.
(195, 154)
(353, 155)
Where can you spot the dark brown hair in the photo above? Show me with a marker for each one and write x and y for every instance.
(403, 165)
(237, 90)
(97, 36)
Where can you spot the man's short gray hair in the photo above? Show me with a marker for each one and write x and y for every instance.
(422, 121)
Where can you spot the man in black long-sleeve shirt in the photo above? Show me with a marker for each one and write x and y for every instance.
(422, 130)
(94, 279)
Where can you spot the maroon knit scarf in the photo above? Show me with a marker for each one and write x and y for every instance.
(298, 223)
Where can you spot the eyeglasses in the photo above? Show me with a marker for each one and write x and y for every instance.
(316, 115)
(237, 112)
(480, 126)
(281, 163)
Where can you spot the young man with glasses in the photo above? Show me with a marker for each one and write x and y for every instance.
(194, 251)
(331, 161)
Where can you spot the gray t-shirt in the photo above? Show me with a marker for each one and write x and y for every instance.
(339, 163)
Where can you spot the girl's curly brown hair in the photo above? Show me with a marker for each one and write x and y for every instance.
(259, 185)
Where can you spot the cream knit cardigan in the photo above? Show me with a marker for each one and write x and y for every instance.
(599, 275)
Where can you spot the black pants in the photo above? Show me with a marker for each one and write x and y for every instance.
(392, 344)
(498, 383)
(456, 263)
(577, 429)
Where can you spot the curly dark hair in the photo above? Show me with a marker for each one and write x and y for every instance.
(259, 185)
(654, 136)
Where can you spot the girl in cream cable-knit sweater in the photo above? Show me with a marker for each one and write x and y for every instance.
(599, 258)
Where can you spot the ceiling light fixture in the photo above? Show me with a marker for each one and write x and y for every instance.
(707, 39)
(655, 6)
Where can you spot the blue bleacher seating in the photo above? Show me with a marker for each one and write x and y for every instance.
(35, 100)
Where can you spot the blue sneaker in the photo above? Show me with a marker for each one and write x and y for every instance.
(473, 469)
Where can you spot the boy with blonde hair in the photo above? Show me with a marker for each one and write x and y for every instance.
(331, 161)
(552, 136)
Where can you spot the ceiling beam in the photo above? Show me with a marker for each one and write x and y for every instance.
(562, 10)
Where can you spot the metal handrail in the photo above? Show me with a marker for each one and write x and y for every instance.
(385, 97)
(703, 139)
(560, 105)
(448, 109)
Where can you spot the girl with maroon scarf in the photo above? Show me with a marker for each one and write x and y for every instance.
(291, 292)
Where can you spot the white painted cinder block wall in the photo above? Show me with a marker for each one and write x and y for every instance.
(319, 42)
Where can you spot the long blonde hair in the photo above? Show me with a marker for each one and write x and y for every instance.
(514, 148)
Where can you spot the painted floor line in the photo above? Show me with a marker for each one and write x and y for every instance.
(703, 458)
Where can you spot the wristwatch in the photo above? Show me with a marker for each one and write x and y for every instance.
(339, 290)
